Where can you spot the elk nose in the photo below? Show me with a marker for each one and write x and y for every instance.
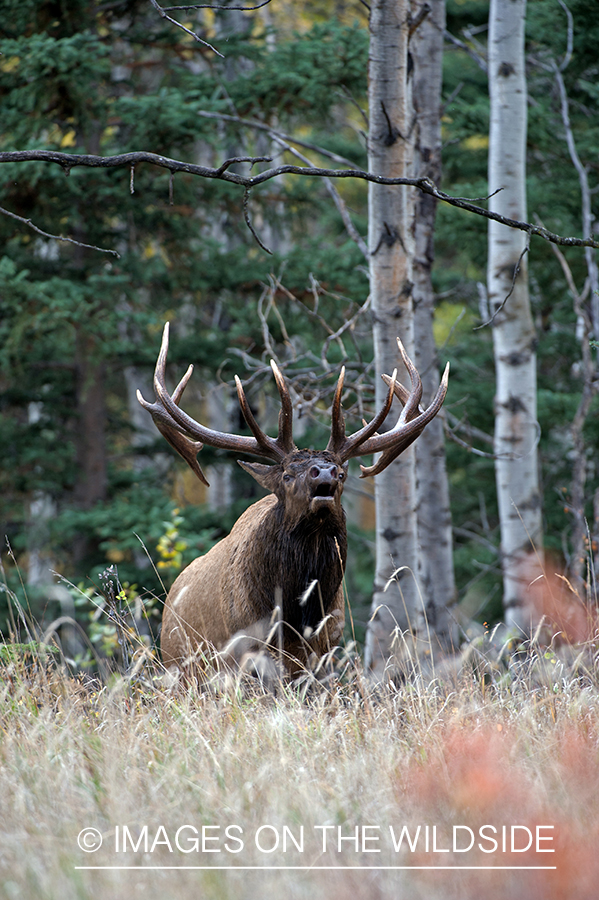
(325, 474)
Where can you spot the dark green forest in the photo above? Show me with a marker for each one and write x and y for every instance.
(83, 484)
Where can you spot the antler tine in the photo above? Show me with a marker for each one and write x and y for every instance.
(268, 446)
(406, 431)
(185, 447)
(348, 447)
(337, 437)
(402, 393)
(178, 392)
(160, 368)
(415, 395)
(285, 438)
(179, 429)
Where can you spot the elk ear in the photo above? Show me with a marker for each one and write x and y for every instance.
(266, 476)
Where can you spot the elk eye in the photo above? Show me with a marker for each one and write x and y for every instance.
(287, 477)
(341, 476)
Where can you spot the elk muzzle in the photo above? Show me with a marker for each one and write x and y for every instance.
(324, 482)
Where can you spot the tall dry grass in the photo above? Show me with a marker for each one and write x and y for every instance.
(510, 740)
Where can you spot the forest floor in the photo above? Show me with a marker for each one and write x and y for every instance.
(484, 783)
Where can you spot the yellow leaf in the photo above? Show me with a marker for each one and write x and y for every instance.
(68, 139)
(10, 64)
(109, 132)
(475, 142)
(115, 555)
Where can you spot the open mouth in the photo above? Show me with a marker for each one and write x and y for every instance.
(325, 490)
(323, 497)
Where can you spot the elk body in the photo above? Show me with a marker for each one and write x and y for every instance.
(289, 549)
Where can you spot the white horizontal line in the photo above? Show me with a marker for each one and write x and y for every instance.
(329, 868)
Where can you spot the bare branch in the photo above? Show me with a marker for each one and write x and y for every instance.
(56, 237)
(452, 97)
(415, 23)
(585, 194)
(579, 297)
(71, 160)
(252, 160)
(570, 39)
(336, 196)
(511, 290)
(480, 61)
(248, 222)
(210, 6)
(196, 37)
(349, 96)
(275, 132)
(453, 424)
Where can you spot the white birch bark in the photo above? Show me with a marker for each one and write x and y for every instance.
(435, 571)
(514, 339)
(391, 247)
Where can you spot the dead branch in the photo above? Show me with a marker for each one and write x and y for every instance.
(195, 36)
(69, 161)
(335, 195)
(585, 195)
(511, 290)
(56, 237)
(453, 425)
(210, 6)
(275, 132)
(478, 58)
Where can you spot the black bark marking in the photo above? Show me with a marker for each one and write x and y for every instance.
(506, 69)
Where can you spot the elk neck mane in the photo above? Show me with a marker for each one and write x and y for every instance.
(290, 556)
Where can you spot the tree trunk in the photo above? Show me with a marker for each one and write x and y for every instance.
(514, 338)
(435, 572)
(90, 439)
(391, 247)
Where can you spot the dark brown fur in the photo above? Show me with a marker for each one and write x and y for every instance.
(276, 550)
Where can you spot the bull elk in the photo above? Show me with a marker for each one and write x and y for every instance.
(290, 548)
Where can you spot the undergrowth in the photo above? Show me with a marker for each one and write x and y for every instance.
(430, 785)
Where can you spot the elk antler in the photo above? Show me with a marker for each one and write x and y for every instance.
(348, 447)
(412, 420)
(179, 429)
(188, 436)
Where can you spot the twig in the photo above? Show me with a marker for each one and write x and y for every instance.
(336, 196)
(246, 216)
(349, 96)
(416, 22)
(511, 290)
(56, 237)
(480, 61)
(196, 37)
(585, 194)
(210, 6)
(275, 132)
(570, 38)
(452, 96)
(453, 423)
